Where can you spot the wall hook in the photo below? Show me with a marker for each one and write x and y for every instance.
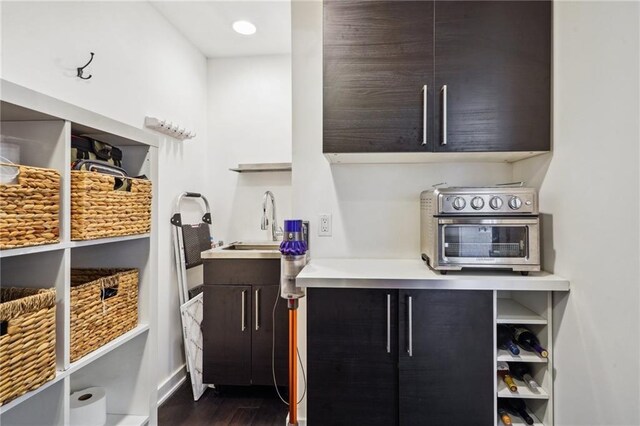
(81, 69)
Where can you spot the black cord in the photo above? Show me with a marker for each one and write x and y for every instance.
(273, 357)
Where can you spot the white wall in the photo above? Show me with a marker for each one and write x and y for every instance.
(589, 198)
(143, 66)
(375, 208)
(249, 121)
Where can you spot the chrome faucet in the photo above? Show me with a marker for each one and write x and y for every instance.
(276, 230)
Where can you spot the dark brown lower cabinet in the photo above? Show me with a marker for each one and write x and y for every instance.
(446, 363)
(226, 334)
(264, 299)
(352, 357)
(238, 335)
(373, 360)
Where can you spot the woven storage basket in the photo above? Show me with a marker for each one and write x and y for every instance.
(95, 320)
(28, 342)
(29, 209)
(99, 211)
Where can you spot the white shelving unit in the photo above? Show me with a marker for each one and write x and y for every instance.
(533, 309)
(125, 367)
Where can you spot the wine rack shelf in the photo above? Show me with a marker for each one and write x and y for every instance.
(512, 312)
(523, 391)
(534, 310)
(515, 420)
(525, 356)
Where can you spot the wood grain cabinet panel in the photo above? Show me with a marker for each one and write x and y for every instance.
(353, 376)
(448, 375)
(241, 323)
(226, 333)
(443, 374)
(494, 57)
(378, 55)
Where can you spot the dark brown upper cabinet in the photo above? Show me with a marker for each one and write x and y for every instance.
(493, 75)
(486, 66)
(378, 57)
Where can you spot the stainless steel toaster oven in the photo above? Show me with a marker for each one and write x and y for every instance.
(487, 227)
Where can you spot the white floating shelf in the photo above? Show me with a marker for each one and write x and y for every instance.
(523, 391)
(517, 420)
(85, 243)
(9, 405)
(525, 356)
(103, 350)
(126, 420)
(262, 167)
(512, 312)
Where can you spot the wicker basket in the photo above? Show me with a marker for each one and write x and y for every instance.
(99, 314)
(28, 340)
(29, 209)
(99, 211)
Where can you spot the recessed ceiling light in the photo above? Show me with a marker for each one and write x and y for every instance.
(244, 27)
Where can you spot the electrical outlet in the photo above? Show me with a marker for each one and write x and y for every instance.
(324, 228)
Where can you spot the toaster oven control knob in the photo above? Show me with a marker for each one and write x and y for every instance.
(477, 203)
(515, 203)
(495, 203)
(459, 203)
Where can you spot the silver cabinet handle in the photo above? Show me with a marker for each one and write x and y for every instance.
(424, 114)
(410, 315)
(444, 115)
(243, 324)
(388, 323)
(257, 309)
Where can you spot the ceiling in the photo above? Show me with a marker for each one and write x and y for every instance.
(207, 24)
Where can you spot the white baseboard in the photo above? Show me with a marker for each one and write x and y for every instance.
(171, 384)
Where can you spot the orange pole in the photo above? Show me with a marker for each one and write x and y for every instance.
(293, 368)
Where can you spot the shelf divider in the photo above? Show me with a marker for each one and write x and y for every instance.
(525, 356)
(523, 391)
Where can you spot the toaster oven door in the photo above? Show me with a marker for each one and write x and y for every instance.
(489, 242)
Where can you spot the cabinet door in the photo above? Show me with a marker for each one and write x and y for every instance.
(352, 357)
(378, 55)
(495, 59)
(264, 333)
(446, 357)
(226, 331)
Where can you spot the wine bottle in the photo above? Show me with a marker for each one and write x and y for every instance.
(522, 372)
(504, 339)
(519, 407)
(503, 372)
(503, 413)
(528, 341)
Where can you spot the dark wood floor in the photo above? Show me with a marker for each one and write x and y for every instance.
(239, 406)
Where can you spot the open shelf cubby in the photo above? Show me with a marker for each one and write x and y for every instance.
(531, 309)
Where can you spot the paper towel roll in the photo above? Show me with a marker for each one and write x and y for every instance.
(88, 407)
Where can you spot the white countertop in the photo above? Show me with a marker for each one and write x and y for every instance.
(410, 273)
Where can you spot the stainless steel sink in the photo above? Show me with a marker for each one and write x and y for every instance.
(245, 250)
(275, 245)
